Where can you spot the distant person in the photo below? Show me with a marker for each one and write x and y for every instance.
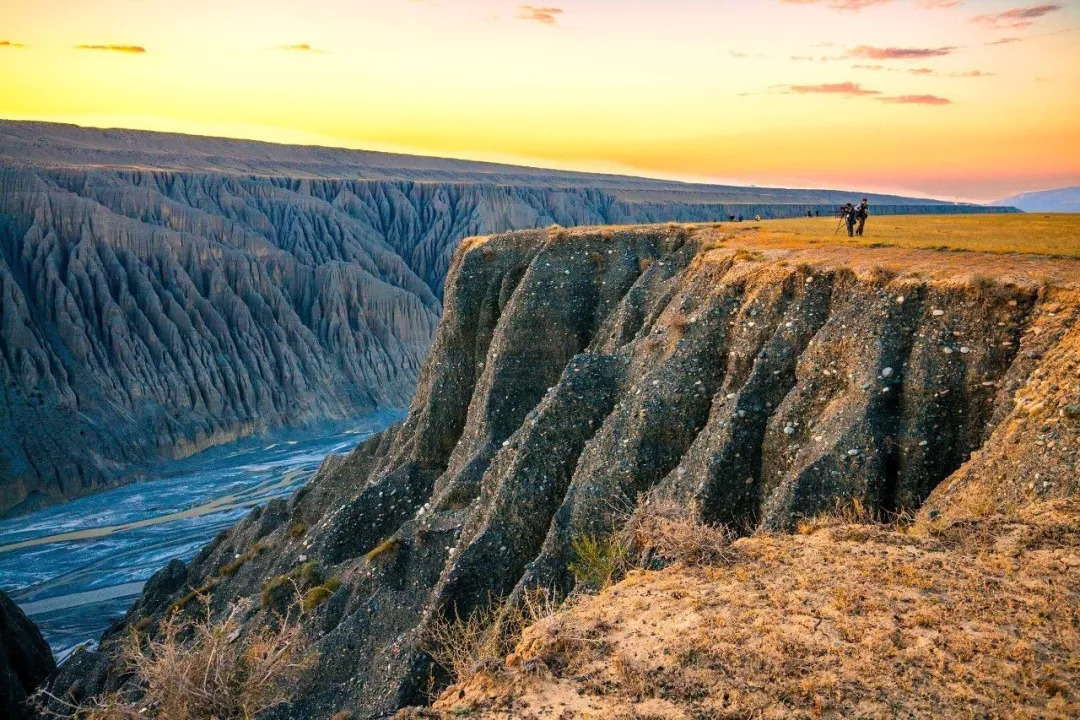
(740, 218)
(731, 218)
(862, 211)
(757, 218)
(817, 213)
(809, 213)
(848, 214)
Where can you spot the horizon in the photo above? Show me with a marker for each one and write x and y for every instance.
(973, 99)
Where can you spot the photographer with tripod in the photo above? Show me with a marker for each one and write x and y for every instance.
(846, 214)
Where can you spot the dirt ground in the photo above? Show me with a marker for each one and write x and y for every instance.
(977, 619)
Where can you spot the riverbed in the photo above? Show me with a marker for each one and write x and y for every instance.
(76, 568)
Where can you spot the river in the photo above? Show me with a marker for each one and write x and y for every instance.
(75, 568)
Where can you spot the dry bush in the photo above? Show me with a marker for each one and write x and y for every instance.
(852, 511)
(664, 529)
(661, 529)
(481, 641)
(749, 256)
(203, 669)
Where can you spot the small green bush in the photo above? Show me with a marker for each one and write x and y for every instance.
(280, 590)
(316, 596)
(600, 560)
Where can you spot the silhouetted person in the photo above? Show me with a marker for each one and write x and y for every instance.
(740, 218)
(817, 213)
(849, 218)
(862, 211)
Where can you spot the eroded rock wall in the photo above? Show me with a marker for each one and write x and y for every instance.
(573, 371)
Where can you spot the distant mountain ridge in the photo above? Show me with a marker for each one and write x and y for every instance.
(164, 293)
(52, 145)
(1061, 200)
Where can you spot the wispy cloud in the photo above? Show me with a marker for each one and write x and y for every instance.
(938, 4)
(855, 90)
(924, 71)
(846, 5)
(9, 44)
(1018, 17)
(129, 49)
(868, 52)
(849, 89)
(916, 100)
(543, 15)
(301, 47)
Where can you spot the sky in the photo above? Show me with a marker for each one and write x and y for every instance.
(958, 99)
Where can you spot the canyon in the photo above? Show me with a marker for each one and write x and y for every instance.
(161, 294)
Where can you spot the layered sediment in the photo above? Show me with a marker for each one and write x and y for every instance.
(573, 371)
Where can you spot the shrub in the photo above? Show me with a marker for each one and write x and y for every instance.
(279, 590)
(466, 646)
(664, 529)
(600, 560)
(316, 596)
(200, 669)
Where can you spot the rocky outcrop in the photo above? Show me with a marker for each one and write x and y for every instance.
(25, 660)
(573, 371)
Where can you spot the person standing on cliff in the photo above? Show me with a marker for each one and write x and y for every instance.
(862, 211)
(848, 213)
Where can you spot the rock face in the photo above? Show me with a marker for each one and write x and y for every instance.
(25, 660)
(574, 370)
(240, 286)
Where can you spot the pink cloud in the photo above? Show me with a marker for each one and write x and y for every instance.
(848, 5)
(867, 52)
(916, 100)
(1016, 17)
(845, 88)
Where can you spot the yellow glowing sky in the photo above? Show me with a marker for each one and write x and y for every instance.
(765, 92)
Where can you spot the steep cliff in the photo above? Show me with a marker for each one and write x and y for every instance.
(236, 286)
(762, 383)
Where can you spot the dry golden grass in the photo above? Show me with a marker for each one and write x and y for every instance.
(467, 646)
(1042, 234)
(202, 669)
(981, 619)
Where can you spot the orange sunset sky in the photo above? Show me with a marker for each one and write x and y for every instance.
(972, 99)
